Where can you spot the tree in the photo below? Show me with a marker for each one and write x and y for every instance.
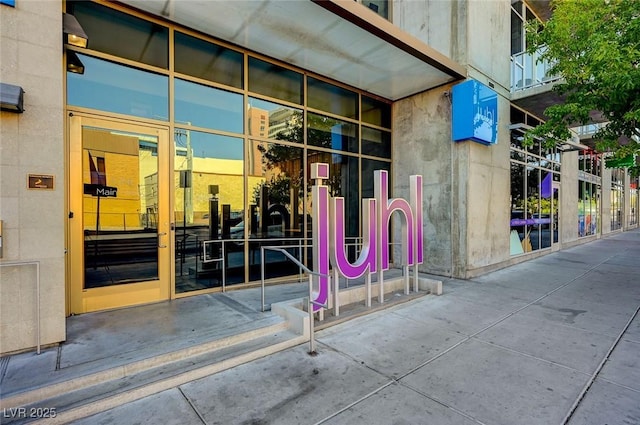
(595, 46)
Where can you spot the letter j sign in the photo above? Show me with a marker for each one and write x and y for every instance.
(475, 113)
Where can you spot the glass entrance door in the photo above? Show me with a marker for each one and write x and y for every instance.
(119, 214)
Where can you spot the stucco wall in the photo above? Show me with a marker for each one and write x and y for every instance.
(32, 143)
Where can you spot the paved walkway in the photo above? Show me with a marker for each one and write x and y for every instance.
(554, 340)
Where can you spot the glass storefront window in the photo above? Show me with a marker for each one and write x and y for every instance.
(276, 187)
(119, 34)
(368, 167)
(275, 121)
(207, 208)
(617, 198)
(518, 223)
(331, 133)
(208, 107)
(201, 59)
(518, 155)
(589, 164)
(276, 210)
(633, 202)
(535, 178)
(275, 81)
(117, 88)
(376, 112)
(381, 7)
(588, 197)
(376, 142)
(330, 98)
(222, 184)
(343, 181)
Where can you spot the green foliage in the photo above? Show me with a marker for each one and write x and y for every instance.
(595, 46)
(277, 191)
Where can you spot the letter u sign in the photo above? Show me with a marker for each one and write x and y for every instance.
(328, 231)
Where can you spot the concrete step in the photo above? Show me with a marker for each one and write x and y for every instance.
(79, 360)
(89, 394)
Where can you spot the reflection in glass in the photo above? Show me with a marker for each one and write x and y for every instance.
(533, 205)
(587, 208)
(633, 202)
(201, 59)
(120, 207)
(275, 187)
(330, 98)
(368, 167)
(617, 190)
(343, 181)
(276, 210)
(275, 121)
(376, 142)
(376, 112)
(520, 242)
(118, 88)
(331, 133)
(275, 81)
(381, 7)
(208, 107)
(215, 175)
(121, 34)
(209, 206)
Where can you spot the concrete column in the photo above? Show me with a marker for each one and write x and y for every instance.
(605, 201)
(626, 199)
(569, 197)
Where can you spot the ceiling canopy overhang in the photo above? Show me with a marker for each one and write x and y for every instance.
(341, 40)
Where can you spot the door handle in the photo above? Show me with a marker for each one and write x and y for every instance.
(159, 236)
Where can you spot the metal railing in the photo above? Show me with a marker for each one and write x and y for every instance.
(221, 259)
(585, 131)
(528, 71)
(310, 273)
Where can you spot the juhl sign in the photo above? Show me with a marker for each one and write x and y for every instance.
(328, 231)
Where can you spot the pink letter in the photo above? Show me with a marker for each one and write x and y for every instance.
(366, 262)
(385, 208)
(320, 230)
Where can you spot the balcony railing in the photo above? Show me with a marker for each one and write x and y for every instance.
(527, 71)
(586, 131)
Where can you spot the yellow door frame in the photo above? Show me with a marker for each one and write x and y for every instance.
(83, 300)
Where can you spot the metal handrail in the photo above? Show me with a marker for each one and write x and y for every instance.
(311, 273)
(215, 260)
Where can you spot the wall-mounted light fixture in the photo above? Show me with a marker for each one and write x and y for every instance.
(74, 64)
(73, 32)
(11, 98)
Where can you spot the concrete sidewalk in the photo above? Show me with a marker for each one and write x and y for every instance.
(553, 340)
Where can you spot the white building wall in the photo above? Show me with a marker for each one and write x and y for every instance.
(32, 143)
